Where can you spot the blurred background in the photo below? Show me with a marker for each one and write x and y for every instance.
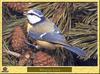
(77, 21)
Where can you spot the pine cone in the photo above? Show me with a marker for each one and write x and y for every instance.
(25, 58)
(18, 39)
(19, 7)
(43, 59)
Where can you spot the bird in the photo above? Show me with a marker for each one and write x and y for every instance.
(46, 33)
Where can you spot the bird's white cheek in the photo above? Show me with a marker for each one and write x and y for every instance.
(33, 19)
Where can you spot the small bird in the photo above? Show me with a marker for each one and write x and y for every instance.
(46, 33)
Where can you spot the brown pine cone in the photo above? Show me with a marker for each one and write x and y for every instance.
(43, 59)
(23, 60)
(19, 7)
(18, 39)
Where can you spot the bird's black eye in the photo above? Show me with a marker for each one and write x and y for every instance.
(30, 13)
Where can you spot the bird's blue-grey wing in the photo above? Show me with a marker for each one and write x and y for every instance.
(33, 35)
(50, 37)
(60, 39)
(55, 37)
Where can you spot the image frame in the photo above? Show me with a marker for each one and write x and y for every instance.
(76, 69)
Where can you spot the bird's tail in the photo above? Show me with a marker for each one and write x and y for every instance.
(76, 50)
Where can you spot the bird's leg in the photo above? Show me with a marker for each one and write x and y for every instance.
(32, 45)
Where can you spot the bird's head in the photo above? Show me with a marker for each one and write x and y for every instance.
(34, 16)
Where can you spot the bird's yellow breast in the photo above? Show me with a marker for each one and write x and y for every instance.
(45, 44)
(29, 26)
(44, 27)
